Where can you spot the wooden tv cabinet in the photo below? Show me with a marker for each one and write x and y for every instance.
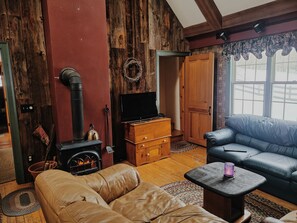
(147, 141)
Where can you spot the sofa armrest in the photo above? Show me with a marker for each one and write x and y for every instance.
(112, 182)
(219, 137)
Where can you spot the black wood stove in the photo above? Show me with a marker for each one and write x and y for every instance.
(78, 156)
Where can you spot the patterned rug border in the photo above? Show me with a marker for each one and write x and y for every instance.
(183, 146)
(259, 206)
(1, 213)
(23, 207)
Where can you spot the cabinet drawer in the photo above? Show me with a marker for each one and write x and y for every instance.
(139, 154)
(153, 143)
(148, 141)
(146, 131)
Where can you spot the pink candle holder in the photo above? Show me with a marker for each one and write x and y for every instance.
(229, 169)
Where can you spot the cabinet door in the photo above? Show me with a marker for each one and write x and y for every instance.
(165, 150)
(153, 153)
(141, 156)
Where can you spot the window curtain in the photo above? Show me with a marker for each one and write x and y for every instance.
(220, 84)
(270, 44)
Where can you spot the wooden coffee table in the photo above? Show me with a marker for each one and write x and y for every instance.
(223, 196)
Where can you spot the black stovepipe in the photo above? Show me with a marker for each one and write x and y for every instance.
(71, 78)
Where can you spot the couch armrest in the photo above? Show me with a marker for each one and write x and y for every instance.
(219, 137)
(112, 182)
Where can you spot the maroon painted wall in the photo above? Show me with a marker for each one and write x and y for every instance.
(76, 36)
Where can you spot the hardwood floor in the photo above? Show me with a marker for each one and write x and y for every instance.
(159, 173)
(5, 140)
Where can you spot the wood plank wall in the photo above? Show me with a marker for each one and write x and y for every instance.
(21, 26)
(137, 28)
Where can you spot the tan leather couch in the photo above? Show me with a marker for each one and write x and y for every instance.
(288, 218)
(115, 194)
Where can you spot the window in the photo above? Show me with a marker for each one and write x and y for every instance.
(266, 86)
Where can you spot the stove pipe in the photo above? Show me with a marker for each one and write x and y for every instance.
(70, 78)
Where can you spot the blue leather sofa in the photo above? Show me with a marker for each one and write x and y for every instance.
(263, 145)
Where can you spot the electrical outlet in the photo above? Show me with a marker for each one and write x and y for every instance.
(27, 108)
(29, 158)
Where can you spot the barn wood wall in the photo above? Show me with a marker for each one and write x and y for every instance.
(137, 28)
(21, 26)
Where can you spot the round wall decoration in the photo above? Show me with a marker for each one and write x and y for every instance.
(129, 62)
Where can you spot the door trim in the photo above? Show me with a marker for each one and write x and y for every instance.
(12, 111)
(162, 53)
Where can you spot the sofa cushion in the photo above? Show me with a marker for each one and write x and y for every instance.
(190, 213)
(112, 182)
(294, 176)
(145, 203)
(251, 142)
(235, 157)
(56, 189)
(270, 130)
(274, 164)
(283, 150)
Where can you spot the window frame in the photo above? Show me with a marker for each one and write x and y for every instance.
(268, 86)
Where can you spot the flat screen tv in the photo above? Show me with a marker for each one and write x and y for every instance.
(138, 106)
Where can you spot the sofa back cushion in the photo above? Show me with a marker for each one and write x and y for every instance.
(270, 130)
(112, 182)
(56, 189)
(251, 142)
(283, 150)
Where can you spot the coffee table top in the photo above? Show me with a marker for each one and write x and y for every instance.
(211, 177)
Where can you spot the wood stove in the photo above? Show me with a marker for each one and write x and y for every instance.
(78, 156)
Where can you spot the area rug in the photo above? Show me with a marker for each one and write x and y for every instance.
(7, 172)
(0, 209)
(258, 206)
(181, 146)
(20, 202)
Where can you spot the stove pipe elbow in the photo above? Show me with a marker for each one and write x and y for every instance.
(70, 78)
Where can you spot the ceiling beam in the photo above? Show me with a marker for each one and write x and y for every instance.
(200, 28)
(266, 11)
(211, 13)
(241, 19)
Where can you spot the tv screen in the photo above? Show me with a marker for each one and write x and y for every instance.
(138, 106)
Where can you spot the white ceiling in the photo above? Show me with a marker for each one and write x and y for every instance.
(189, 14)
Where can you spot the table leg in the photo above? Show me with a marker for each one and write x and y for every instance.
(227, 208)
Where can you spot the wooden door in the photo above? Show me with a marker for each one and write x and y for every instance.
(199, 75)
(5, 99)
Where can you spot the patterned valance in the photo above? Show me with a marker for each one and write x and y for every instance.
(269, 44)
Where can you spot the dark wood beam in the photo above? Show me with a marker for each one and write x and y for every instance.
(200, 28)
(211, 13)
(239, 20)
(266, 11)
